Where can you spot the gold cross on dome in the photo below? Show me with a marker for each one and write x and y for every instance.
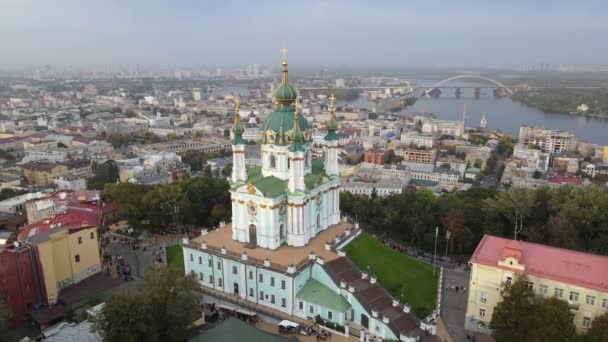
(284, 51)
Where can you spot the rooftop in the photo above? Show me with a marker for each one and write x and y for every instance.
(317, 293)
(234, 330)
(563, 265)
(280, 258)
(372, 296)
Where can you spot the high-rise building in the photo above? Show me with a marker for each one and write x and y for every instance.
(548, 140)
(196, 94)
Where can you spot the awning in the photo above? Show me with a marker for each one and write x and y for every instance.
(246, 312)
(286, 323)
(227, 307)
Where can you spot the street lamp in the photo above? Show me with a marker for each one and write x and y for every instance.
(447, 240)
(435, 252)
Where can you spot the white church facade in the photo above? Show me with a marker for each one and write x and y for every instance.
(283, 248)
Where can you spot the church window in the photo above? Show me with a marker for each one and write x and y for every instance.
(219, 265)
(191, 257)
(282, 284)
(330, 315)
(301, 305)
(283, 302)
(250, 275)
(234, 270)
(282, 231)
(200, 260)
(210, 262)
(273, 162)
(200, 274)
(311, 309)
(220, 283)
(251, 292)
(318, 220)
(271, 281)
(261, 278)
(271, 299)
(210, 279)
(261, 295)
(288, 163)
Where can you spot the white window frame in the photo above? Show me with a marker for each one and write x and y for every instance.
(587, 322)
(590, 300)
(574, 296)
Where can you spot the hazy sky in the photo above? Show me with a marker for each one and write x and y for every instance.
(317, 32)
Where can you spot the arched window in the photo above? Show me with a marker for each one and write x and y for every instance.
(273, 161)
(307, 160)
(282, 231)
(288, 163)
(318, 220)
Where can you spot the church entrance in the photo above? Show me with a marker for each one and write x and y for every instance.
(253, 235)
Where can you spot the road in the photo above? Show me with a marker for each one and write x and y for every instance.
(454, 303)
(137, 259)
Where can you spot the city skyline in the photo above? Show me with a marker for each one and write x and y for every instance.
(318, 33)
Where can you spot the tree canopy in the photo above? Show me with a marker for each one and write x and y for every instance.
(522, 316)
(203, 201)
(568, 216)
(158, 309)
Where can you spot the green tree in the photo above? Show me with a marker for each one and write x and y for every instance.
(158, 309)
(514, 204)
(599, 329)
(227, 170)
(521, 316)
(551, 320)
(511, 317)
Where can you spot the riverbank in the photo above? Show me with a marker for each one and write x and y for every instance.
(566, 101)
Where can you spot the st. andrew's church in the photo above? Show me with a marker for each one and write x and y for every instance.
(282, 254)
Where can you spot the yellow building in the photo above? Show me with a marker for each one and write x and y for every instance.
(67, 254)
(43, 173)
(579, 278)
(605, 153)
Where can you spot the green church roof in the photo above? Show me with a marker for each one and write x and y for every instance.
(281, 121)
(234, 330)
(272, 187)
(316, 293)
(237, 127)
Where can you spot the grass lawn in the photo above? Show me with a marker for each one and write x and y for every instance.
(175, 256)
(399, 274)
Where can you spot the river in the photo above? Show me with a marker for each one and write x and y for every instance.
(501, 113)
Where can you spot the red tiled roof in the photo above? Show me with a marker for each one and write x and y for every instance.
(564, 265)
(72, 218)
(565, 179)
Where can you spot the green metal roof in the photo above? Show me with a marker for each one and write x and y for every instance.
(281, 122)
(234, 330)
(273, 187)
(317, 293)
